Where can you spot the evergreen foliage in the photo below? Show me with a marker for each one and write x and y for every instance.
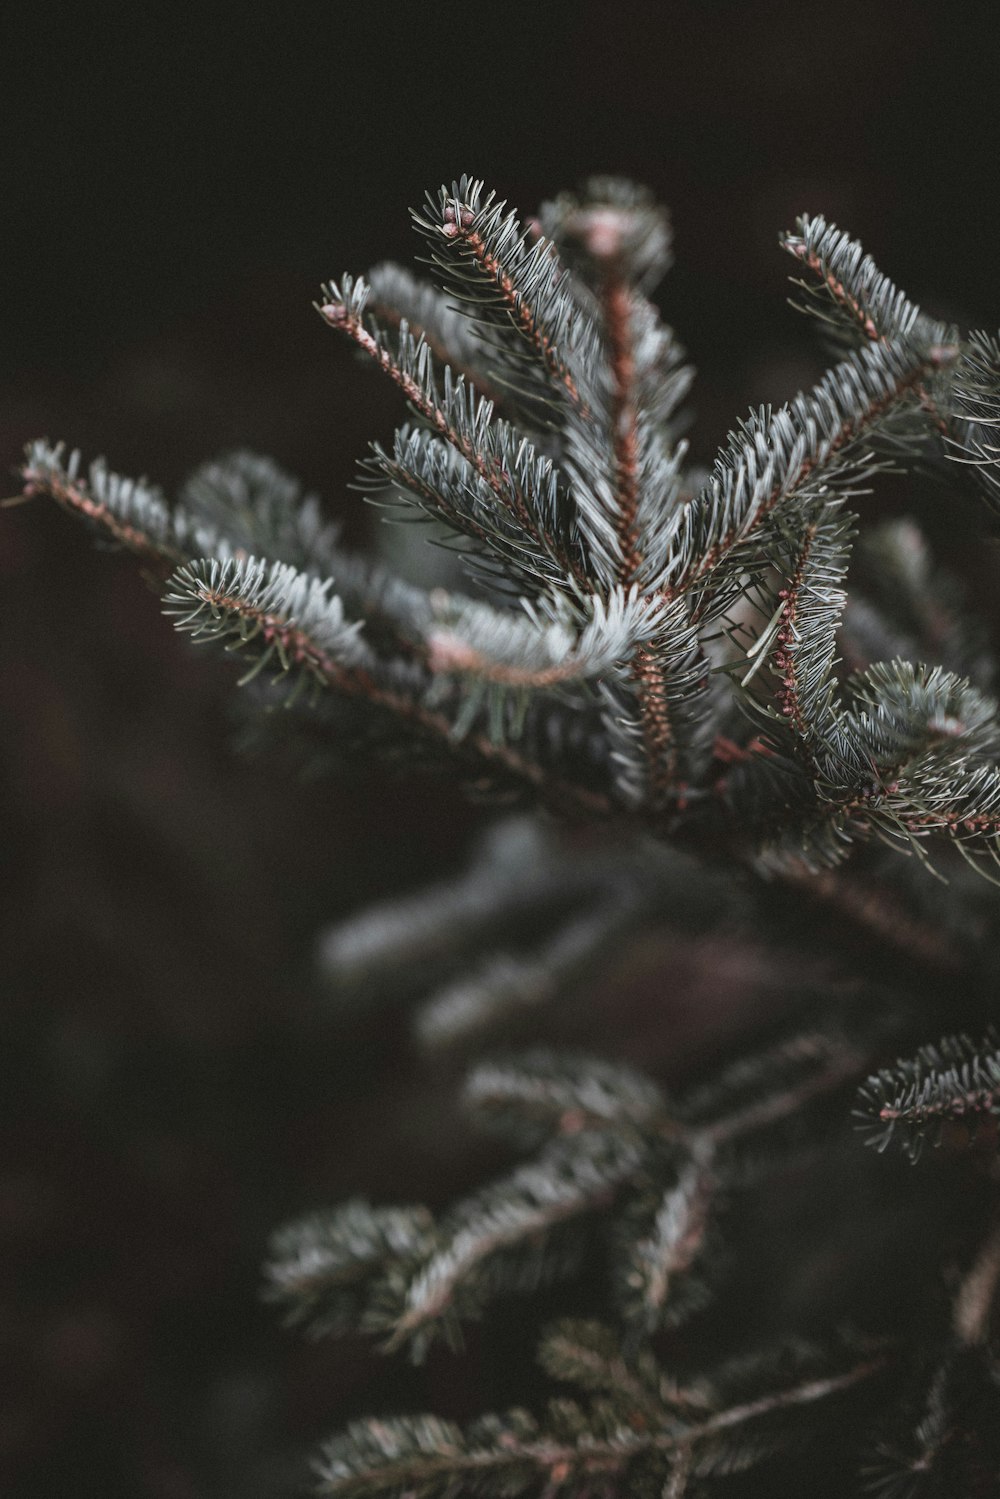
(674, 659)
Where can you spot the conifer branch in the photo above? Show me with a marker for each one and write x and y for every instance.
(772, 459)
(321, 1266)
(513, 1455)
(127, 511)
(399, 297)
(456, 417)
(516, 1213)
(513, 285)
(284, 614)
(657, 731)
(543, 646)
(542, 1093)
(956, 1081)
(646, 645)
(609, 1144)
(796, 692)
(495, 453)
(589, 1355)
(660, 1249)
(854, 295)
(289, 621)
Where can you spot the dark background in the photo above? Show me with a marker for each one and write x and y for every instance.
(174, 187)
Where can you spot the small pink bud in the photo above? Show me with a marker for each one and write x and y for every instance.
(455, 215)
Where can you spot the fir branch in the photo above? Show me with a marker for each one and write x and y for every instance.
(897, 752)
(129, 512)
(627, 472)
(491, 449)
(545, 645)
(238, 506)
(889, 765)
(555, 645)
(515, 287)
(660, 1246)
(285, 615)
(656, 722)
(618, 627)
(609, 1140)
(956, 1081)
(261, 512)
(853, 296)
(542, 1093)
(649, 671)
(799, 642)
(500, 1234)
(902, 713)
(657, 730)
(589, 1355)
(857, 302)
(289, 621)
(513, 1455)
(256, 509)
(397, 296)
(455, 414)
(773, 458)
(511, 504)
(789, 689)
(321, 1266)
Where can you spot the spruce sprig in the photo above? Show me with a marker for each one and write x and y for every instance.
(608, 585)
(956, 1081)
(686, 658)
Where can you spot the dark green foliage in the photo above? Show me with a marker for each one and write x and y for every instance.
(636, 1432)
(322, 1267)
(610, 1147)
(577, 498)
(683, 662)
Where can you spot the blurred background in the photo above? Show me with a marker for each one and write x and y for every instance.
(175, 184)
